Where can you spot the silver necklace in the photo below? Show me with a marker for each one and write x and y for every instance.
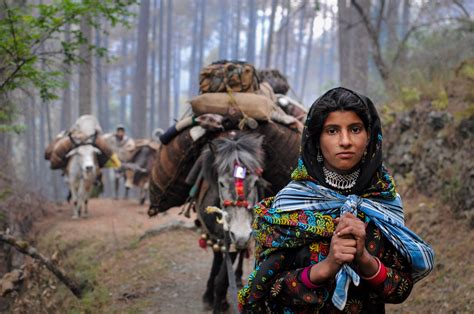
(340, 181)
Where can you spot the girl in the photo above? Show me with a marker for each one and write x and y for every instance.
(334, 238)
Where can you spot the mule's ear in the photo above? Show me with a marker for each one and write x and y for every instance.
(259, 139)
(212, 147)
(71, 153)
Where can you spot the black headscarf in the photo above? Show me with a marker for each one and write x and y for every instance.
(373, 179)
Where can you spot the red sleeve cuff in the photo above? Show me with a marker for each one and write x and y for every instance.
(305, 278)
(379, 277)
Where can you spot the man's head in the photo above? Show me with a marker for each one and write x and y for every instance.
(120, 132)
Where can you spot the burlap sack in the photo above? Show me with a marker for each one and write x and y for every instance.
(267, 90)
(258, 107)
(58, 154)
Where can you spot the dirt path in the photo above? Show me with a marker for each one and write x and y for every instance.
(165, 273)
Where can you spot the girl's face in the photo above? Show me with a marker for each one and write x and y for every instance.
(343, 141)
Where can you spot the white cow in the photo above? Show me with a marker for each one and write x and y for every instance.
(82, 171)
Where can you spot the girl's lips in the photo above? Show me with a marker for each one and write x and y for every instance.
(345, 155)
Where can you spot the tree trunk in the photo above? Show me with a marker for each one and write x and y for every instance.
(193, 64)
(262, 55)
(344, 35)
(392, 26)
(286, 42)
(309, 50)
(360, 43)
(51, 174)
(161, 63)
(224, 33)
(373, 36)
(66, 114)
(85, 70)
(270, 35)
(405, 17)
(322, 52)
(236, 46)
(123, 81)
(43, 169)
(353, 45)
(297, 73)
(140, 80)
(169, 63)
(106, 93)
(30, 142)
(201, 35)
(152, 80)
(252, 28)
(177, 78)
(34, 142)
(99, 87)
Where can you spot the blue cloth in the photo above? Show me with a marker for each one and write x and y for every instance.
(386, 214)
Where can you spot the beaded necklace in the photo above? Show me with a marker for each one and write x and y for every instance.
(340, 181)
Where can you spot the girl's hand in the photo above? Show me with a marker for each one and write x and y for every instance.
(349, 225)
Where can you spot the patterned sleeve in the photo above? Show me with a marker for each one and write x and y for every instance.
(399, 283)
(288, 289)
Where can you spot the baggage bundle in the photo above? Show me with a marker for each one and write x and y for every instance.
(85, 130)
(277, 81)
(231, 98)
(256, 106)
(221, 75)
(174, 161)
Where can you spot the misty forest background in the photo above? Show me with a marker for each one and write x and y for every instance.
(137, 62)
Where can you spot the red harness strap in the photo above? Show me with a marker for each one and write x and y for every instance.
(239, 203)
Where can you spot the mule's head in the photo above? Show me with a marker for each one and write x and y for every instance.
(238, 164)
(86, 156)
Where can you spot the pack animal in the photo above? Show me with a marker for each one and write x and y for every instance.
(231, 185)
(138, 169)
(82, 171)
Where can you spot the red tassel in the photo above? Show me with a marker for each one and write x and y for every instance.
(202, 243)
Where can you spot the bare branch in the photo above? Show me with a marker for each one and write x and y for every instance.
(462, 8)
(373, 35)
(378, 25)
(25, 248)
(288, 18)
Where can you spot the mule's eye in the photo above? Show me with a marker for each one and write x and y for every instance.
(221, 184)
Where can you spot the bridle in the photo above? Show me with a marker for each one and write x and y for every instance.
(240, 173)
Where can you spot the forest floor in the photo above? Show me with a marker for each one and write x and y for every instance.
(167, 272)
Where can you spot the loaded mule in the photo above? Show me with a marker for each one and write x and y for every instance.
(230, 183)
(82, 171)
(84, 153)
(137, 157)
(139, 167)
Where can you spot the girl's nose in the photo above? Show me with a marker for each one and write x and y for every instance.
(344, 139)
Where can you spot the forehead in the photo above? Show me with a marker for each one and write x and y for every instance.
(85, 149)
(342, 118)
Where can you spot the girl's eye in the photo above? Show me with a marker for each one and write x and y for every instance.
(331, 131)
(356, 129)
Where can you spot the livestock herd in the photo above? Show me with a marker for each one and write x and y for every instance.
(219, 160)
